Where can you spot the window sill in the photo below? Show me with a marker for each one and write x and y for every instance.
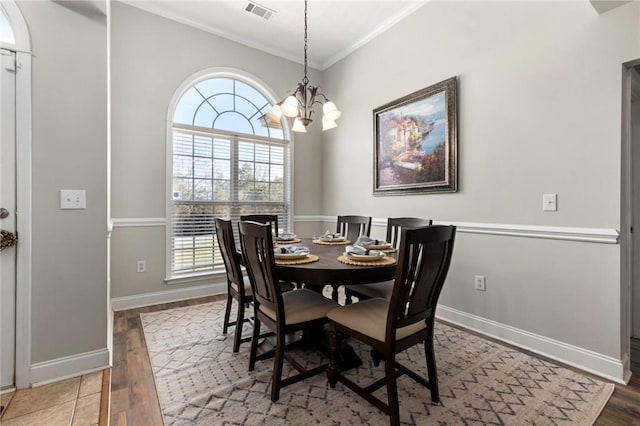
(202, 278)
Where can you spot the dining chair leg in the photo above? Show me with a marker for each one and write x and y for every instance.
(278, 361)
(334, 292)
(392, 390)
(239, 326)
(332, 371)
(227, 313)
(348, 297)
(254, 343)
(431, 363)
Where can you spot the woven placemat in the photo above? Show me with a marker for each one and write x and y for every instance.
(382, 262)
(388, 250)
(309, 259)
(285, 242)
(332, 243)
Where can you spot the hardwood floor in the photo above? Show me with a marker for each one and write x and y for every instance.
(134, 400)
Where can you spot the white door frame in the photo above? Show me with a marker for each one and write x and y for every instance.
(22, 47)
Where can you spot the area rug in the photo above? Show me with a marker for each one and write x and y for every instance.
(200, 381)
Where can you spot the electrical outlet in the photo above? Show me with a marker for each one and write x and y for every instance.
(141, 266)
(481, 283)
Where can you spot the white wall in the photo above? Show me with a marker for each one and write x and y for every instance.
(151, 57)
(539, 112)
(69, 151)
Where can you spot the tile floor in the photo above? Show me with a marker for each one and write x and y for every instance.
(73, 402)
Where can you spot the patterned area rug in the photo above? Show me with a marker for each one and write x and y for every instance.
(200, 381)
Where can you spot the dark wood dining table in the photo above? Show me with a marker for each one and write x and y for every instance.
(328, 270)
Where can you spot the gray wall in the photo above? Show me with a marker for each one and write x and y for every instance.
(539, 112)
(151, 57)
(69, 145)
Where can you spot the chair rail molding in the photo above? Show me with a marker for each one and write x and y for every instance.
(567, 233)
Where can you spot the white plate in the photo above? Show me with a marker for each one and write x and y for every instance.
(365, 257)
(378, 246)
(290, 256)
(288, 237)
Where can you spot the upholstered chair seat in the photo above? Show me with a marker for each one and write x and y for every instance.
(369, 317)
(301, 306)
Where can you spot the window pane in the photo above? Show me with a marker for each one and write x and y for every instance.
(262, 172)
(246, 108)
(262, 153)
(182, 143)
(251, 95)
(181, 189)
(202, 167)
(221, 190)
(204, 116)
(187, 105)
(277, 155)
(277, 173)
(233, 122)
(245, 171)
(276, 192)
(202, 189)
(6, 32)
(202, 146)
(245, 151)
(182, 166)
(221, 148)
(214, 86)
(222, 103)
(222, 169)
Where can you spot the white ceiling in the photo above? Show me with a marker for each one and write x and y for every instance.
(336, 27)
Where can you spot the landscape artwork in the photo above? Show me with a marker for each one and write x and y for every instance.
(415, 142)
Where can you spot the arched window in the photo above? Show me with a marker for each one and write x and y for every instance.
(6, 32)
(224, 163)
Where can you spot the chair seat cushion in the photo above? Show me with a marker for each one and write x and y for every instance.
(247, 289)
(383, 289)
(301, 306)
(369, 317)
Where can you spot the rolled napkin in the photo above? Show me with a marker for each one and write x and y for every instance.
(292, 249)
(361, 251)
(328, 235)
(366, 241)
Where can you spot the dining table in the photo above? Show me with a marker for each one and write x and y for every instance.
(328, 270)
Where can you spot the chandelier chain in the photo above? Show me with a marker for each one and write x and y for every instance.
(305, 80)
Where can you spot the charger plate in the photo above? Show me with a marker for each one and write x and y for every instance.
(307, 259)
(382, 262)
(285, 242)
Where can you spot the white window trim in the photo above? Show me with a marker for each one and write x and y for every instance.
(217, 72)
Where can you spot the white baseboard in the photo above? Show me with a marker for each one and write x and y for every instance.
(584, 359)
(174, 295)
(69, 366)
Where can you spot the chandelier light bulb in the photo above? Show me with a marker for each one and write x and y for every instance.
(328, 124)
(290, 106)
(330, 111)
(298, 126)
(274, 113)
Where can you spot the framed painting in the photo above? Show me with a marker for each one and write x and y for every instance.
(416, 142)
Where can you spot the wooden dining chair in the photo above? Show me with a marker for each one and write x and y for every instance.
(395, 225)
(284, 313)
(271, 219)
(351, 227)
(390, 327)
(236, 288)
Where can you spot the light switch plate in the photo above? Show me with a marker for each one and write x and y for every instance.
(549, 202)
(73, 199)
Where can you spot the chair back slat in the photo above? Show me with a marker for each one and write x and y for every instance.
(257, 249)
(271, 219)
(395, 225)
(423, 262)
(227, 245)
(351, 227)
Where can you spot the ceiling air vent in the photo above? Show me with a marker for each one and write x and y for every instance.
(256, 9)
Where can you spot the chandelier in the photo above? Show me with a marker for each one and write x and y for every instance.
(301, 102)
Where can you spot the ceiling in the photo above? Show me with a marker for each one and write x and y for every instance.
(335, 27)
